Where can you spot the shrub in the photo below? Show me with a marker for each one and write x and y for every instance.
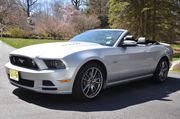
(55, 28)
(16, 32)
(83, 22)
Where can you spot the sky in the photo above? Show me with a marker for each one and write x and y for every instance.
(42, 1)
(62, 1)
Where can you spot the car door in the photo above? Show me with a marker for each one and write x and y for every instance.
(128, 62)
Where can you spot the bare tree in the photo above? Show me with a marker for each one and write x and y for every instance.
(56, 6)
(6, 7)
(98, 7)
(83, 22)
(27, 6)
(72, 22)
(76, 3)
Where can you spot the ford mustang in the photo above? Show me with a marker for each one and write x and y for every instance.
(88, 63)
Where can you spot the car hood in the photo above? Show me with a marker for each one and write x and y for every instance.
(55, 50)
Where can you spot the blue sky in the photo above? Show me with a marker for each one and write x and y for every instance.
(65, 1)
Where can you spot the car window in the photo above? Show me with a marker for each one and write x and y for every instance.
(103, 37)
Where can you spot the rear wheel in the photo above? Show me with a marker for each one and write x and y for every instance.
(89, 81)
(161, 72)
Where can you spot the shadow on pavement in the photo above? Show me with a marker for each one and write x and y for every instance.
(111, 99)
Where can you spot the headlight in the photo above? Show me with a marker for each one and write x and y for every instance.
(54, 64)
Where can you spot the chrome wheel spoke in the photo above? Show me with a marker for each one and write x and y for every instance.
(97, 81)
(86, 87)
(88, 90)
(92, 72)
(94, 75)
(87, 80)
(88, 77)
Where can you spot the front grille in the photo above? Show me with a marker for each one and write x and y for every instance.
(23, 82)
(22, 61)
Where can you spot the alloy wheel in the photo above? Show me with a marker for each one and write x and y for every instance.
(92, 82)
(163, 71)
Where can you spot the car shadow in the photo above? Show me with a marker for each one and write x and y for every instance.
(111, 99)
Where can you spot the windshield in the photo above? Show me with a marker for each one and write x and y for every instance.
(103, 37)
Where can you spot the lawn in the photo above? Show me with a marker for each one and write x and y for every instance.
(175, 46)
(176, 49)
(176, 58)
(20, 42)
(176, 54)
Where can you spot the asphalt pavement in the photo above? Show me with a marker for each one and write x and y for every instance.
(136, 100)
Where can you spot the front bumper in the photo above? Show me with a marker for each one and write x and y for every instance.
(43, 81)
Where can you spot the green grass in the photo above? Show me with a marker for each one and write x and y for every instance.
(21, 42)
(177, 55)
(177, 70)
(175, 46)
(176, 58)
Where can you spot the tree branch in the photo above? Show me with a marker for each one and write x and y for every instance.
(32, 3)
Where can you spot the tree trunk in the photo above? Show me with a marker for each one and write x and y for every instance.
(28, 8)
(154, 20)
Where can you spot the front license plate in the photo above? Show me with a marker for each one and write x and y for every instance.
(14, 74)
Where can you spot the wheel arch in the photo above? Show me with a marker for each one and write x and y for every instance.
(99, 63)
(96, 60)
(166, 58)
(157, 71)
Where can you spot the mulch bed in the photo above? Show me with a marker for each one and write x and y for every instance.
(176, 51)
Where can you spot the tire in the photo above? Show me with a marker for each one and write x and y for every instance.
(88, 85)
(161, 72)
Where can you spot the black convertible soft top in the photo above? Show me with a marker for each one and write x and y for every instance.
(147, 42)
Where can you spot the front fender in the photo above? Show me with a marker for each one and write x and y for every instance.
(166, 51)
(77, 60)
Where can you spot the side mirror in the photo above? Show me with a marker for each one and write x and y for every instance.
(129, 43)
(129, 37)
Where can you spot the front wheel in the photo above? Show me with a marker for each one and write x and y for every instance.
(89, 81)
(161, 72)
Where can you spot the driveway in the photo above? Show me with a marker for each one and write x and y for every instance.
(136, 100)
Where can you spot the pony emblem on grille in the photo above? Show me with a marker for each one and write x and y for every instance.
(21, 61)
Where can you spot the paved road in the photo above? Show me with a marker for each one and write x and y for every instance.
(137, 100)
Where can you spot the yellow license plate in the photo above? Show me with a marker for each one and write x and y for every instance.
(14, 74)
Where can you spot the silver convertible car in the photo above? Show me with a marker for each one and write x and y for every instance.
(88, 63)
